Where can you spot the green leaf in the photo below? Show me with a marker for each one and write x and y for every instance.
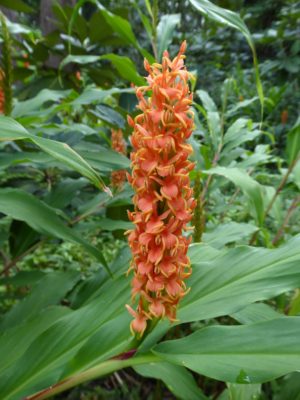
(26, 107)
(42, 218)
(289, 388)
(44, 361)
(237, 134)
(256, 312)
(235, 278)
(177, 379)
(240, 354)
(108, 114)
(248, 185)
(105, 159)
(228, 233)
(293, 142)
(165, 32)
(238, 391)
(15, 341)
(17, 5)
(23, 278)
(232, 19)
(48, 291)
(112, 339)
(12, 130)
(207, 101)
(126, 68)
(91, 95)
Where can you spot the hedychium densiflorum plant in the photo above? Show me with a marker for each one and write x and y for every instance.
(163, 199)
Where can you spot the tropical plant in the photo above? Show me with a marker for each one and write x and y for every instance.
(63, 203)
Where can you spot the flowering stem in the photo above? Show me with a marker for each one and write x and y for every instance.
(102, 369)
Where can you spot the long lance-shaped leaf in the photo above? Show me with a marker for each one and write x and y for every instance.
(232, 19)
(12, 130)
(42, 218)
(243, 354)
(222, 283)
(52, 352)
(238, 277)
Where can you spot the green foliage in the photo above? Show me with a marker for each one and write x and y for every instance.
(63, 320)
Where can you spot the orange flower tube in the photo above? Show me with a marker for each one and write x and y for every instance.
(119, 145)
(163, 197)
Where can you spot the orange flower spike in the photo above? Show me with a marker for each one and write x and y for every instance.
(163, 197)
(119, 145)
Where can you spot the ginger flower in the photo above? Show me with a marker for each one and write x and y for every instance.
(163, 201)
(119, 145)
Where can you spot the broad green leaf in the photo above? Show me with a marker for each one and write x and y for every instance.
(105, 159)
(108, 114)
(22, 157)
(78, 59)
(110, 340)
(238, 133)
(45, 359)
(17, 5)
(254, 353)
(207, 101)
(123, 28)
(91, 95)
(248, 185)
(22, 278)
(64, 192)
(177, 379)
(120, 25)
(47, 291)
(228, 233)
(25, 207)
(256, 312)
(232, 19)
(15, 341)
(12, 130)
(126, 68)
(26, 107)
(235, 278)
(165, 32)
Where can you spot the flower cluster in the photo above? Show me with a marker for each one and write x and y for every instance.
(119, 145)
(163, 197)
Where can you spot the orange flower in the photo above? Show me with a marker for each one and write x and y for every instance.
(163, 197)
(119, 145)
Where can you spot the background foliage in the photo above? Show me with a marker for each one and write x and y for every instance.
(63, 253)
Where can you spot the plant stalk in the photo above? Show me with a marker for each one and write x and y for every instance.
(102, 369)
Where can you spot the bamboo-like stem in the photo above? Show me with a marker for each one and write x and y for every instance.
(102, 369)
(198, 220)
(6, 64)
